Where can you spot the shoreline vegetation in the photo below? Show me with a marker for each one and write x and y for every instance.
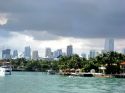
(75, 65)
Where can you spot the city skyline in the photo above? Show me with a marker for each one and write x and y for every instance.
(29, 53)
(56, 46)
(58, 23)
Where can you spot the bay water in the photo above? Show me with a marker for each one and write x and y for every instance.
(38, 82)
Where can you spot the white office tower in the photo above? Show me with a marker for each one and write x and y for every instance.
(92, 54)
(27, 52)
(48, 53)
(35, 55)
(15, 54)
(69, 50)
(109, 45)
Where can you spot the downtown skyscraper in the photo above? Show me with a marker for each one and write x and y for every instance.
(57, 53)
(6, 54)
(35, 55)
(27, 52)
(15, 54)
(109, 45)
(48, 53)
(92, 54)
(69, 50)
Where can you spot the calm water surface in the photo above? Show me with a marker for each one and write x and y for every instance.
(37, 82)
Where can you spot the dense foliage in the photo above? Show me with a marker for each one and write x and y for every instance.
(111, 60)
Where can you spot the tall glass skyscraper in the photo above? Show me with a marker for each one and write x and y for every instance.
(92, 54)
(57, 53)
(15, 54)
(69, 50)
(123, 51)
(48, 53)
(109, 45)
(27, 52)
(6, 54)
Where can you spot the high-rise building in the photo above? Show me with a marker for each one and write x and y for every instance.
(57, 53)
(109, 45)
(35, 55)
(27, 52)
(48, 53)
(69, 50)
(123, 51)
(15, 54)
(83, 55)
(6, 54)
(92, 54)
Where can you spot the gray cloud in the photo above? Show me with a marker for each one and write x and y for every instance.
(68, 18)
(4, 33)
(41, 35)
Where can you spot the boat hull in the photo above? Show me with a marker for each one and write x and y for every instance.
(2, 72)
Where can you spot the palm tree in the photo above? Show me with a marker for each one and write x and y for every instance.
(111, 60)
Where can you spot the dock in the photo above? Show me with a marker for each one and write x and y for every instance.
(119, 75)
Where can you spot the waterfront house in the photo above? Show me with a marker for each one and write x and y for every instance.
(122, 64)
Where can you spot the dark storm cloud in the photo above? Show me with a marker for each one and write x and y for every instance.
(69, 18)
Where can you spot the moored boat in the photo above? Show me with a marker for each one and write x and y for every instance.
(51, 72)
(6, 68)
(2, 72)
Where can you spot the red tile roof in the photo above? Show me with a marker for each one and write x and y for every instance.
(122, 63)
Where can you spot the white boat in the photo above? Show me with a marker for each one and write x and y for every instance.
(2, 72)
(51, 72)
(7, 69)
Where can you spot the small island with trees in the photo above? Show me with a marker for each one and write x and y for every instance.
(108, 63)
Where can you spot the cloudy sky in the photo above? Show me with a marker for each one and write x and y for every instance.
(57, 23)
